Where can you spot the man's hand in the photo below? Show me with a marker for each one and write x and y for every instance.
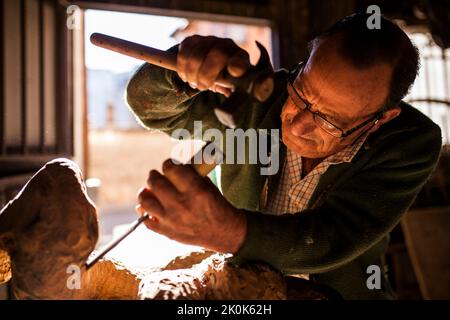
(200, 61)
(188, 208)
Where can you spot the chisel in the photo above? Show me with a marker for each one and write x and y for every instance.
(207, 164)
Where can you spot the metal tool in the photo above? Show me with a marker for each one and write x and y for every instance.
(255, 85)
(206, 166)
(115, 242)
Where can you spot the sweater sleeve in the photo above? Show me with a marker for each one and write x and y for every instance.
(354, 216)
(161, 101)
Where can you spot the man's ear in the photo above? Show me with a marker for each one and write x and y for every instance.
(388, 115)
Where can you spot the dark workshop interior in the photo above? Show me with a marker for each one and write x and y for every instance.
(61, 97)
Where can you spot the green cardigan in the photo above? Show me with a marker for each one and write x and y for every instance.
(346, 226)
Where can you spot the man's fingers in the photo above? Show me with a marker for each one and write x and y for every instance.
(163, 189)
(149, 203)
(239, 63)
(184, 51)
(219, 89)
(183, 177)
(196, 59)
(215, 62)
(201, 60)
(192, 52)
(153, 224)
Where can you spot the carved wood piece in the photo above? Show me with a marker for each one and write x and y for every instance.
(51, 225)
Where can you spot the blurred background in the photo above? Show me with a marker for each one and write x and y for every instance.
(62, 96)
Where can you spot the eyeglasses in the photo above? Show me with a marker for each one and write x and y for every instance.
(319, 118)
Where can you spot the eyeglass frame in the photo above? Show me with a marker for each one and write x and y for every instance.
(307, 106)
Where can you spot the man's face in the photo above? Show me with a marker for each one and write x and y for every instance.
(344, 95)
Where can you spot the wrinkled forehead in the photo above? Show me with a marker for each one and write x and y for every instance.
(332, 79)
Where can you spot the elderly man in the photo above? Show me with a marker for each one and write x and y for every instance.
(353, 157)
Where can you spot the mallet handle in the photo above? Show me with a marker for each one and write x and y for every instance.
(167, 60)
(160, 58)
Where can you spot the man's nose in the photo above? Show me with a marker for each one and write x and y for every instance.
(302, 123)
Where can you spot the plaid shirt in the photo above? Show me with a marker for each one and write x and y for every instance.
(293, 193)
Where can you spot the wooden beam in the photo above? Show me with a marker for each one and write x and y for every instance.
(226, 11)
(2, 80)
(23, 77)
